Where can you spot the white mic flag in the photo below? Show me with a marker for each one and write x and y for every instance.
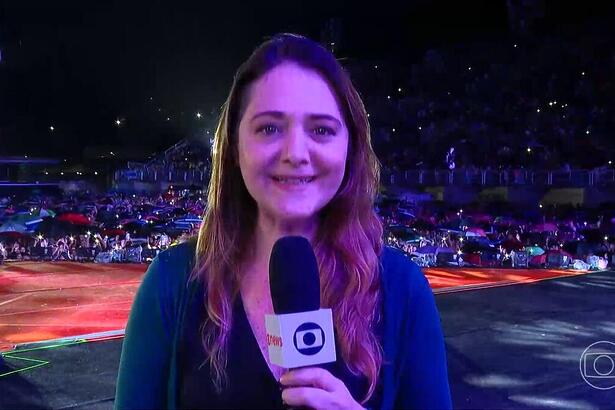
(301, 339)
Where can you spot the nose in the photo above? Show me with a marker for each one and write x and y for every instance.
(295, 147)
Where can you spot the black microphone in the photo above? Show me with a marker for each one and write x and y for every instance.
(293, 276)
(300, 333)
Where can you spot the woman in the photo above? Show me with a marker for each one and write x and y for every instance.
(196, 338)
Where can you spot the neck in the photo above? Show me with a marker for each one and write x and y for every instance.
(255, 271)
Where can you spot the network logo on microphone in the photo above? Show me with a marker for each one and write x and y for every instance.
(309, 339)
(301, 339)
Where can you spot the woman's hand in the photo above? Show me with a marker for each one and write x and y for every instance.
(316, 388)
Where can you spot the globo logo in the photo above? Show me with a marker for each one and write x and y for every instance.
(309, 339)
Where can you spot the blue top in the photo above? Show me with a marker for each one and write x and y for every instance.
(152, 372)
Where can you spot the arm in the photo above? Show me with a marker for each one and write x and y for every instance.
(144, 364)
(424, 376)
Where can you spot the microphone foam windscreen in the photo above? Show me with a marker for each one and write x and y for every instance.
(293, 276)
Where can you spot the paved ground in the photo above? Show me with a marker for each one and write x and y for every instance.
(513, 347)
(520, 346)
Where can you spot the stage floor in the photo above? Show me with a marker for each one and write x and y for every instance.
(42, 301)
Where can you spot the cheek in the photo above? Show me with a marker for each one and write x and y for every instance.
(253, 165)
(337, 159)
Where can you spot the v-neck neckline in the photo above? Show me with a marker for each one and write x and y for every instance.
(254, 341)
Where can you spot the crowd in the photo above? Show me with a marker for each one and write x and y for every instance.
(186, 161)
(492, 101)
(131, 228)
(87, 247)
(514, 105)
(529, 103)
(113, 228)
(557, 236)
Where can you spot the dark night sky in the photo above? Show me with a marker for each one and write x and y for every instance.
(80, 65)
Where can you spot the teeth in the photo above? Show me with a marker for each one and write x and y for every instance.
(293, 180)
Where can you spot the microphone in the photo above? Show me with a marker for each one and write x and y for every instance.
(300, 333)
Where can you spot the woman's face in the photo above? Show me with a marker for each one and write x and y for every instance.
(292, 126)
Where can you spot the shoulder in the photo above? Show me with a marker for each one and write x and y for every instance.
(171, 268)
(399, 273)
(405, 289)
(180, 254)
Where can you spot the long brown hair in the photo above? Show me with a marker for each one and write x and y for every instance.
(348, 241)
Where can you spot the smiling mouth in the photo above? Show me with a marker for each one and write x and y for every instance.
(293, 181)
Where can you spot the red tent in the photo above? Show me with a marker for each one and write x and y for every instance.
(538, 260)
(74, 218)
(472, 258)
(113, 232)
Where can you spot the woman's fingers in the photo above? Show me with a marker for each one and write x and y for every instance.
(311, 376)
(311, 397)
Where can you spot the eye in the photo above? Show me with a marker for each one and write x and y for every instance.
(268, 129)
(323, 131)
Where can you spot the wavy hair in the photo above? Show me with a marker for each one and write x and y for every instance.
(349, 238)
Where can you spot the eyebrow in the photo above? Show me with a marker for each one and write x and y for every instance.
(313, 117)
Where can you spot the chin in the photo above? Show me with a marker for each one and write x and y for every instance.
(293, 213)
(294, 216)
